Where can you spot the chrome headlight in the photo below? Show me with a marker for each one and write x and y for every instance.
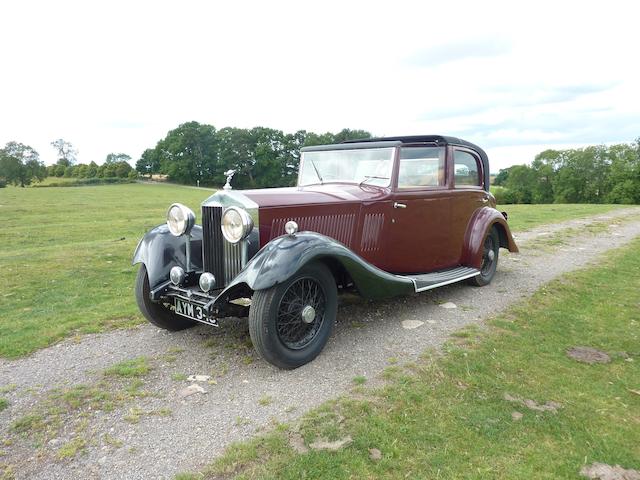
(236, 224)
(177, 275)
(207, 281)
(180, 219)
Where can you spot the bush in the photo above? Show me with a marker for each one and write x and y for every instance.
(81, 182)
(503, 195)
(3, 183)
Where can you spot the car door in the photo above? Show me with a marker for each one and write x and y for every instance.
(468, 194)
(418, 232)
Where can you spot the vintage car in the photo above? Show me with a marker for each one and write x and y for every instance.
(381, 217)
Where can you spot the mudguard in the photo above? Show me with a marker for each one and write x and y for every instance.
(481, 221)
(282, 257)
(159, 250)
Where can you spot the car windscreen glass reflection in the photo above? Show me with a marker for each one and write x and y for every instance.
(369, 165)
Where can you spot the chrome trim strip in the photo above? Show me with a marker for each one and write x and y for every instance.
(442, 284)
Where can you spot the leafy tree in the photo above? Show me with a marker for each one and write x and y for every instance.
(92, 170)
(545, 171)
(117, 158)
(66, 152)
(501, 177)
(81, 170)
(188, 153)
(625, 173)
(582, 176)
(59, 171)
(237, 151)
(347, 134)
(263, 157)
(149, 162)
(122, 169)
(521, 183)
(20, 164)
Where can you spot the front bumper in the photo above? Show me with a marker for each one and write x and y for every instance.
(213, 305)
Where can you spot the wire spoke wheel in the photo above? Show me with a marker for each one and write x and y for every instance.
(301, 313)
(488, 255)
(489, 261)
(291, 322)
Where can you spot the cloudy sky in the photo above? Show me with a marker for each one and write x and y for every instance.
(513, 77)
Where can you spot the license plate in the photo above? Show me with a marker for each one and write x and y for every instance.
(190, 310)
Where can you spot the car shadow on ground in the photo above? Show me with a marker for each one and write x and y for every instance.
(232, 340)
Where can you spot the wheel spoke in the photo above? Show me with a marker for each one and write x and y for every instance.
(293, 331)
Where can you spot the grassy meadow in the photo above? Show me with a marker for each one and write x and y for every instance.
(65, 262)
(507, 402)
(525, 217)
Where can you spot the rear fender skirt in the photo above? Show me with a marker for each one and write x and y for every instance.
(481, 221)
(159, 250)
(284, 256)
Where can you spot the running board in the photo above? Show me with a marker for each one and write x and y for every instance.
(427, 281)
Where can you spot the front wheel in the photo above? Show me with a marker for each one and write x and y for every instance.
(489, 265)
(156, 313)
(290, 323)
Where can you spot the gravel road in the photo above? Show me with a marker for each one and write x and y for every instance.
(249, 394)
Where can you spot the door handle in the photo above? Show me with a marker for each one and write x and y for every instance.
(399, 205)
(485, 199)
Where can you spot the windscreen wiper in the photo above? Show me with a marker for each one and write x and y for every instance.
(317, 172)
(367, 177)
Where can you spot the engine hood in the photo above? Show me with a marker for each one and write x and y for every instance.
(290, 196)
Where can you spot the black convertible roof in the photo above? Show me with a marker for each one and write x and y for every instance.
(438, 139)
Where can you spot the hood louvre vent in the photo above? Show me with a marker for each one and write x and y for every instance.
(339, 227)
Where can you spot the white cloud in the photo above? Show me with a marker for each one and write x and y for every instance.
(116, 76)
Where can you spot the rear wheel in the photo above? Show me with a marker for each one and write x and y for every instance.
(290, 323)
(489, 265)
(157, 313)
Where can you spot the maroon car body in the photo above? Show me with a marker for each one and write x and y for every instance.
(380, 216)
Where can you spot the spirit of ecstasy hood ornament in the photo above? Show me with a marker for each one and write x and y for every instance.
(229, 174)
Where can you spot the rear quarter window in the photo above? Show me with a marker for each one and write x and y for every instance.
(466, 169)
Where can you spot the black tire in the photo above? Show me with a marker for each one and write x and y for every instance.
(276, 325)
(490, 250)
(157, 313)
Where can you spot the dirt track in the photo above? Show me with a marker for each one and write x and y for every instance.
(249, 394)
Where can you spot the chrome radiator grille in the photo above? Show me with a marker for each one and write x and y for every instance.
(220, 257)
(232, 260)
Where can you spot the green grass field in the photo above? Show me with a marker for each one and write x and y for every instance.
(525, 217)
(66, 252)
(65, 264)
(505, 403)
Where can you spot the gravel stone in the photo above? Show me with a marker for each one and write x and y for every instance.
(588, 355)
(448, 305)
(190, 390)
(411, 324)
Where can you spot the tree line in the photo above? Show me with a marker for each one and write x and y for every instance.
(596, 174)
(196, 153)
(21, 165)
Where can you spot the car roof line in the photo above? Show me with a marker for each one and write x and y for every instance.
(351, 146)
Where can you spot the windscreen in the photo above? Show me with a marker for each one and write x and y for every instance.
(371, 166)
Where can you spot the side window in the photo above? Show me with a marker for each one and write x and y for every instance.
(467, 170)
(421, 167)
